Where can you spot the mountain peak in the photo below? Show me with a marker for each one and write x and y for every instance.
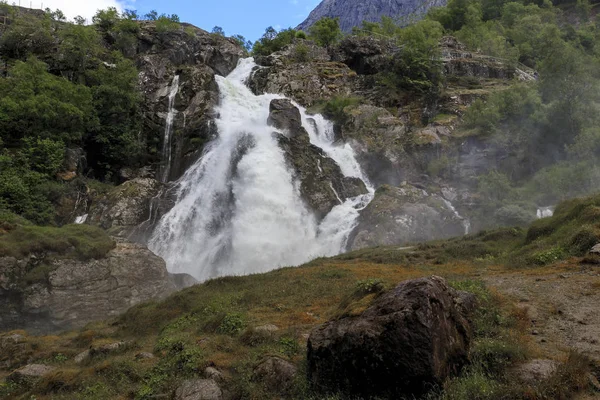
(353, 12)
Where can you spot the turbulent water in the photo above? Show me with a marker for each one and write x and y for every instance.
(166, 148)
(238, 209)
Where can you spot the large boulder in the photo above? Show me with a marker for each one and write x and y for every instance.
(30, 374)
(409, 339)
(405, 214)
(42, 293)
(322, 184)
(199, 389)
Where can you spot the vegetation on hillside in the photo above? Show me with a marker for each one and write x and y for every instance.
(215, 324)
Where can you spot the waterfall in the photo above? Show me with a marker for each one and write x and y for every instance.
(165, 169)
(465, 221)
(545, 212)
(238, 208)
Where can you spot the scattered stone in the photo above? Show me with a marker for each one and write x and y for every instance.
(417, 331)
(535, 332)
(269, 328)
(276, 373)
(29, 374)
(563, 276)
(144, 356)
(535, 371)
(199, 389)
(214, 374)
(82, 357)
(92, 352)
(595, 249)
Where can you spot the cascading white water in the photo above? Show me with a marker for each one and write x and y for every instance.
(238, 209)
(545, 212)
(465, 222)
(166, 147)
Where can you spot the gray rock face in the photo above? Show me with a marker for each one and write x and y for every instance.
(406, 214)
(353, 12)
(196, 56)
(322, 184)
(199, 389)
(414, 336)
(305, 82)
(125, 207)
(77, 292)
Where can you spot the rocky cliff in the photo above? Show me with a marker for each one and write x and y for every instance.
(352, 13)
(42, 292)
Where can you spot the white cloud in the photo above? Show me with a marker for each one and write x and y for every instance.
(73, 8)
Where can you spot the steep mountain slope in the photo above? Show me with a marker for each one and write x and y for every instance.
(353, 12)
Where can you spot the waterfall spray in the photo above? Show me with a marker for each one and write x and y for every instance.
(239, 209)
(166, 153)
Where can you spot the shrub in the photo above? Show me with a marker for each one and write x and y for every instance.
(232, 324)
(369, 286)
(548, 256)
(301, 53)
(326, 31)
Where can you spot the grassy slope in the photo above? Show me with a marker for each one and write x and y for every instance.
(213, 324)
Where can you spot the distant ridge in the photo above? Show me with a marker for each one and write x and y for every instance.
(353, 12)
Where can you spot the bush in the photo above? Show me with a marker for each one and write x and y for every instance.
(326, 31)
(232, 324)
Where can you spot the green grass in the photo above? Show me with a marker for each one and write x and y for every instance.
(19, 239)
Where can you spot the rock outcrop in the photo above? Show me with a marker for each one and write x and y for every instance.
(196, 56)
(352, 13)
(125, 207)
(70, 293)
(406, 214)
(322, 184)
(304, 80)
(410, 338)
(30, 374)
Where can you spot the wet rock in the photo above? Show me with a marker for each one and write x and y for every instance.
(199, 389)
(30, 374)
(322, 184)
(183, 281)
(125, 207)
(77, 292)
(276, 374)
(285, 116)
(410, 338)
(406, 214)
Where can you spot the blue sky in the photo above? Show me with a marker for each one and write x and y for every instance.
(246, 17)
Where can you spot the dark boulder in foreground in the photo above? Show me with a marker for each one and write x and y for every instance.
(410, 339)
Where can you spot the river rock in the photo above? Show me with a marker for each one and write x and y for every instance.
(276, 374)
(199, 389)
(77, 292)
(405, 214)
(410, 338)
(29, 374)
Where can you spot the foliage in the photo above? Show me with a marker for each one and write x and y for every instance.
(326, 31)
(273, 41)
(79, 241)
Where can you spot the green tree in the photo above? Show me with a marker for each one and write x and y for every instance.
(326, 31)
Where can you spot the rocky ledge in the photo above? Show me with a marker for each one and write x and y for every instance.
(47, 295)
